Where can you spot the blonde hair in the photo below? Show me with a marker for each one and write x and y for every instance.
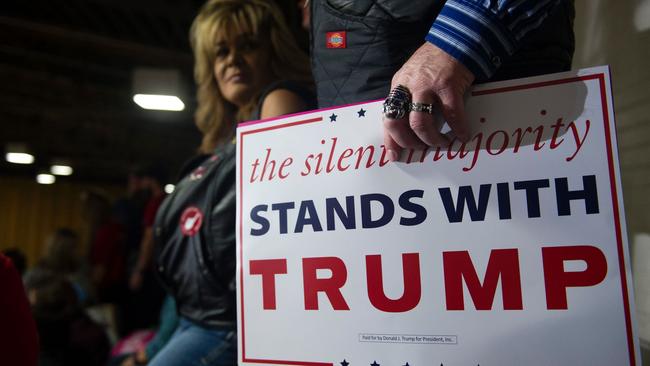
(216, 117)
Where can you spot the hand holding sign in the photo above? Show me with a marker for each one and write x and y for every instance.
(433, 77)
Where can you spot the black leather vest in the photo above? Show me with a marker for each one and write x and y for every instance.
(194, 233)
(382, 34)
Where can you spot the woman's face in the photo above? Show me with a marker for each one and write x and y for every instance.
(241, 67)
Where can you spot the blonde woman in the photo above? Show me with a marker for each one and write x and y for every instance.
(242, 49)
(248, 66)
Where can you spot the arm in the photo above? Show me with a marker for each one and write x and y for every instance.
(467, 42)
(280, 102)
(144, 258)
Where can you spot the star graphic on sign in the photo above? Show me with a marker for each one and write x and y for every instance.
(344, 363)
(374, 363)
(362, 112)
(333, 117)
(407, 364)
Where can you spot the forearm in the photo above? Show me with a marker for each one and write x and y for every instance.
(146, 250)
(481, 34)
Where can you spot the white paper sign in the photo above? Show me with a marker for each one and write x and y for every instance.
(508, 250)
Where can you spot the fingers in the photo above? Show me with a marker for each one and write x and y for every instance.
(431, 76)
(419, 129)
(453, 109)
(401, 133)
(416, 130)
(397, 135)
(423, 123)
(393, 149)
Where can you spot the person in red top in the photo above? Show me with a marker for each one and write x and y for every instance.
(18, 335)
(146, 293)
(153, 180)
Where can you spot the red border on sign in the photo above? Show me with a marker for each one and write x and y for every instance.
(241, 252)
(612, 180)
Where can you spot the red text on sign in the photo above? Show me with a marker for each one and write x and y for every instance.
(459, 270)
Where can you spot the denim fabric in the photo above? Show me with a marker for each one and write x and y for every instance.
(193, 345)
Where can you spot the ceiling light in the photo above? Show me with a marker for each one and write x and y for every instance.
(45, 178)
(159, 102)
(19, 158)
(61, 170)
(158, 89)
(169, 188)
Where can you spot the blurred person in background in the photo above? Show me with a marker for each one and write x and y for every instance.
(130, 209)
(107, 256)
(18, 335)
(247, 66)
(153, 180)
(145, 293)
(18, 258)
(62, 257)
(68, 337)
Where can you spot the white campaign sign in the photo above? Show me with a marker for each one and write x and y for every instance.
(508, 250)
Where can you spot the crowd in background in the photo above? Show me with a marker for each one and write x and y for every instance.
(83, 303)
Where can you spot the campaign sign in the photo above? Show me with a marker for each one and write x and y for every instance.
(509, 249)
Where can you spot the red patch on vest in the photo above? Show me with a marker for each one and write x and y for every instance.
(191, 221)
(336, 39)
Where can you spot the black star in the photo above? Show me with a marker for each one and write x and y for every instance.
(374, 363)
(362, 112)
(344, 363)
(407, 364)
(333, 117)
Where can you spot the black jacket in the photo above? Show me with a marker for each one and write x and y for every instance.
(383, 34)
(195, 241)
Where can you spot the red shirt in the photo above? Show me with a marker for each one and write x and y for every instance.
(150, 210)
(18, 335)
(108, 251)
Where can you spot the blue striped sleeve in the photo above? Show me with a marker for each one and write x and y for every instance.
(482, 33)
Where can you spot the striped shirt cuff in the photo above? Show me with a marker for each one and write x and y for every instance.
(473, 35)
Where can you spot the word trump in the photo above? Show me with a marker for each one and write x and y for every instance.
(458, 267)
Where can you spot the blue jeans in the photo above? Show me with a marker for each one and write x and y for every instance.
(193, 345)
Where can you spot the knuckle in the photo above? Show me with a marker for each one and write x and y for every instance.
(419, 124)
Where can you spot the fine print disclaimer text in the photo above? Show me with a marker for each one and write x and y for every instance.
(408, 338)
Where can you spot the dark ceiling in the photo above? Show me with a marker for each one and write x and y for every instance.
(66, 88)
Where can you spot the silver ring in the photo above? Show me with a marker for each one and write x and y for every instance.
(421, 107)
(397, 103)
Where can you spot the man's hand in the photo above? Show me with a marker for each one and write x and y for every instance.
(433, 77)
